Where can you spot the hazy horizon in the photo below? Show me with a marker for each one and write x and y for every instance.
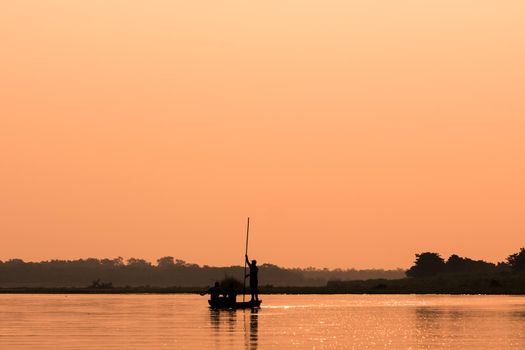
(354, 134)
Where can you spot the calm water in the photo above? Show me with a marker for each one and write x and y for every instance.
(320, 322)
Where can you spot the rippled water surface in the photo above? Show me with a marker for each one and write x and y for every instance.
(285, 321)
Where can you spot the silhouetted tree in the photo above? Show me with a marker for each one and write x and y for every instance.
(15, 262)
(166, 261)
(117, 262)
(517, 260)
(456, 263)
(134, 262)
(180, 262)
(426, 264)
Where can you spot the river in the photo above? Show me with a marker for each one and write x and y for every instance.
(285, 321)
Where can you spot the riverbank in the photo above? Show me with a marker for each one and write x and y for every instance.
(501, 283)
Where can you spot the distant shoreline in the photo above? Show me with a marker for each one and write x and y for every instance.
(454, 285)
(430, 274)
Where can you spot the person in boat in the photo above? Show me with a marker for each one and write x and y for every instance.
(254, 282)
(231, 294)
(215, 292)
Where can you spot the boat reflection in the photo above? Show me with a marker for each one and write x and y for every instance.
(225, 322)
(223, 316)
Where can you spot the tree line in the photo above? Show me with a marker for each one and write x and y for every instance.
(431, 273)
(171, 272)
(430, 264)
(167, 272)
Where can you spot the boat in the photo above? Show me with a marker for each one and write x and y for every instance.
(226, 304)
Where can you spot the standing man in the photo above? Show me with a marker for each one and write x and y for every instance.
(254, 282)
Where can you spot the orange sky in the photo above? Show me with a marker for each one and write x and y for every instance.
(354, 133)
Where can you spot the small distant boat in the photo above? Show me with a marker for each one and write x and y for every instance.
(226, 304)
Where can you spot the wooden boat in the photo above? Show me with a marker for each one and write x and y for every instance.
(226, 304)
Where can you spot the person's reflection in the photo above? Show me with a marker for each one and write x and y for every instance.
(215, 323)
(254, 324)
(232, 320)
(223, 323)
(215, 319)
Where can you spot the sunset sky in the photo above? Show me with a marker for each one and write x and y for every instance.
(353, 133)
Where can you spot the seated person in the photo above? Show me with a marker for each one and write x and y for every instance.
(215, 292)
(231, 294)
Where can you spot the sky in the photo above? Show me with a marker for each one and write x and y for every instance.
(353, 133)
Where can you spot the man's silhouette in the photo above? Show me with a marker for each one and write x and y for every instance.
(215, 292)
(254, 282)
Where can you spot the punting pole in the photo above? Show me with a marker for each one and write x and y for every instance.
(245, 254)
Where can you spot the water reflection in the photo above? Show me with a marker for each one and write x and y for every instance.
(215, 319)
(254, 325)
(142, 322)
(456, 323)
(428, 325)
(518, 314)
(427, 317)
(229, 317)
(225, 322)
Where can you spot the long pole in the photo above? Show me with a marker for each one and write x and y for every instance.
(245, 255)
